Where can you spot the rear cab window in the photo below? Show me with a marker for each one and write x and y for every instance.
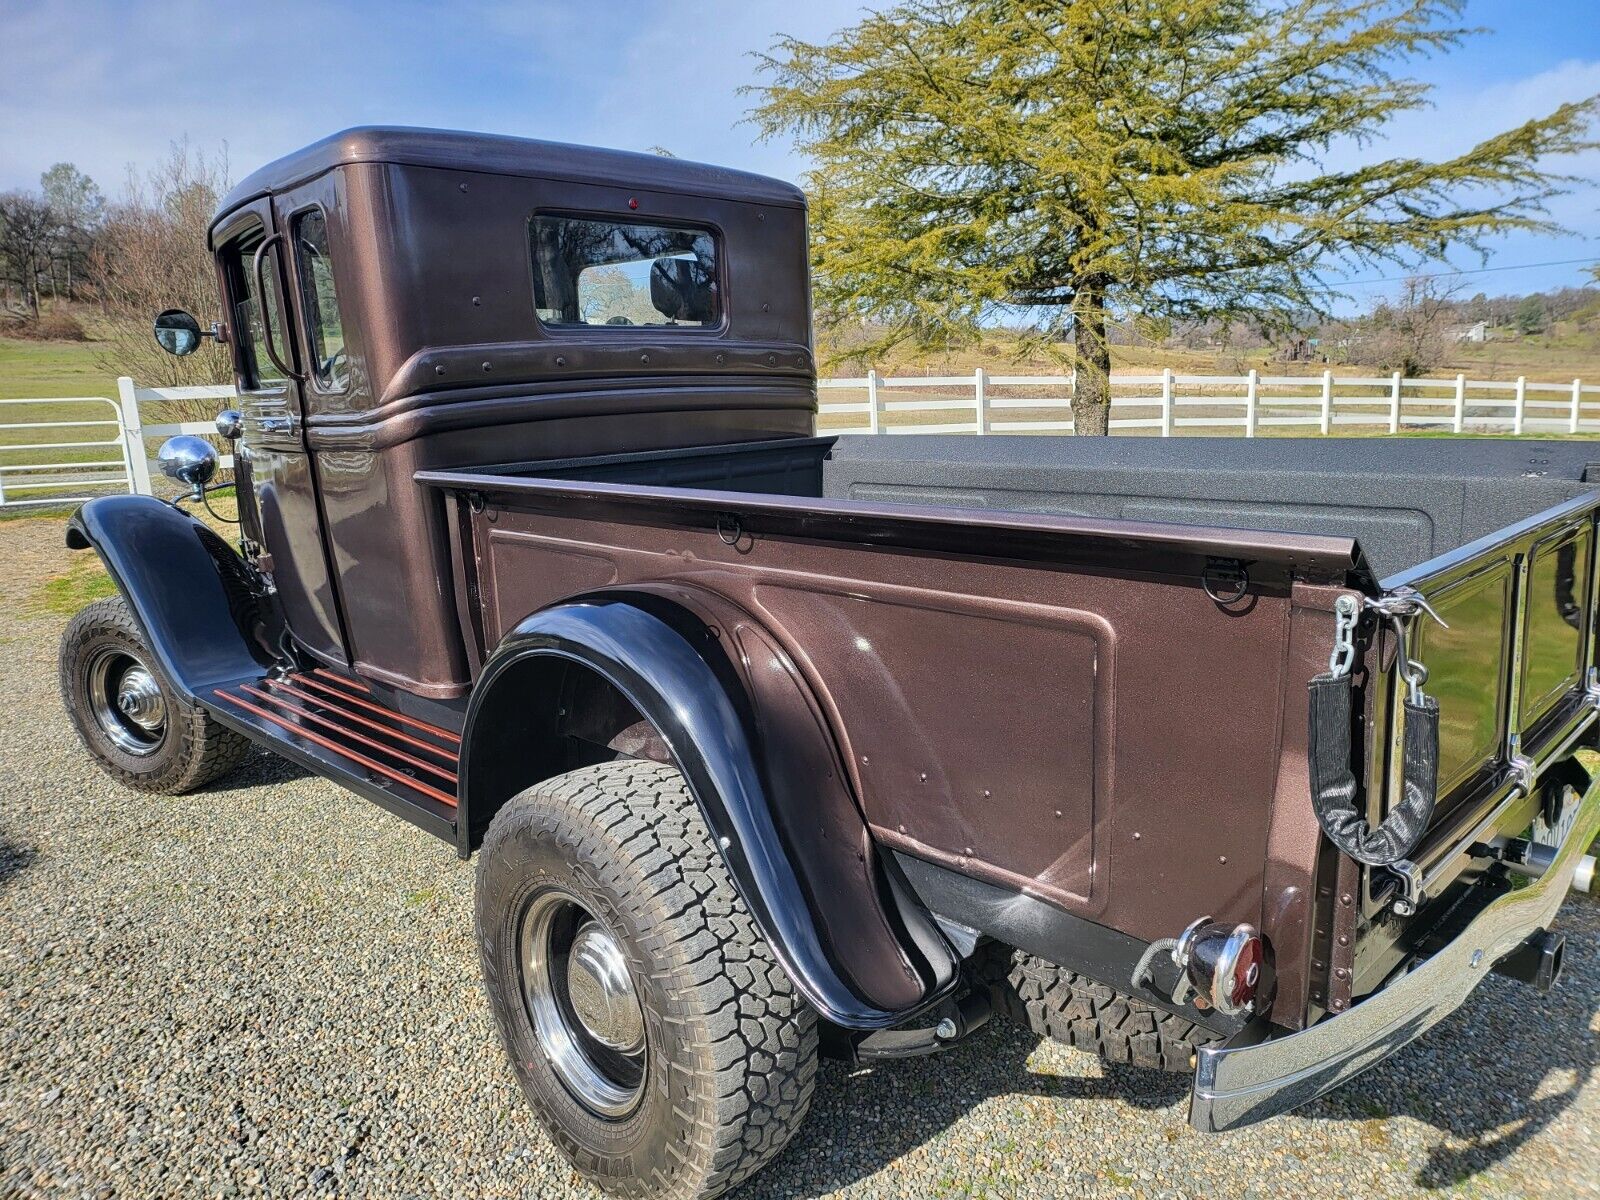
(599, 272)
(319, 301)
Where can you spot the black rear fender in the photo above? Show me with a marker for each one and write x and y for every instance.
(194, 598)
(737, 718)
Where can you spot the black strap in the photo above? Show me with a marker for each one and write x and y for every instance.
(1334, 791)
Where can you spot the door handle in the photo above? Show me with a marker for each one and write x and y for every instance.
(266, 318)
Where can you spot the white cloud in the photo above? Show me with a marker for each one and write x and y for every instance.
(108, 84)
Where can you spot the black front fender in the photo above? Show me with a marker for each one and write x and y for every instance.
(192, 595)
(672, 685)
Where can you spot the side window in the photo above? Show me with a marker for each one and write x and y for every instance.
(330, 367)
(612, 272)
(254, 365)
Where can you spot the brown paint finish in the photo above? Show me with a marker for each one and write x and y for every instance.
(471, 376)
(947, 677)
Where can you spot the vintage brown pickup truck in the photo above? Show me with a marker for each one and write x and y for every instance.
(1245, 758)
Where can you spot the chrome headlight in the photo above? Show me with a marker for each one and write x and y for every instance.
(189, 460)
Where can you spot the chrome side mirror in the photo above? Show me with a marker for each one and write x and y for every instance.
(177, 332)
(188, 460)
(230, 424)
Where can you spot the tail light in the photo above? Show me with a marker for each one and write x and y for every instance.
(1223, 962)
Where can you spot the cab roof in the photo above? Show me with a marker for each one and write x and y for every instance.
(500, 155)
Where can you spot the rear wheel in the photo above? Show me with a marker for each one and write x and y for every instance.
(646, 1019)
(1070, 1008)
(139, 729)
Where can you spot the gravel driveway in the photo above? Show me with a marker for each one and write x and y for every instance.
(271, 989)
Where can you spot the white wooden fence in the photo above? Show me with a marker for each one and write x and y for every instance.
(140, 436)
(1170, 403)
(89, 446)
(109, 446)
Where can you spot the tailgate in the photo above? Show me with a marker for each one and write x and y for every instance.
(1510, 661)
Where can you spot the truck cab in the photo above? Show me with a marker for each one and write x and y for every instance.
(1245, 759)
(576, 302)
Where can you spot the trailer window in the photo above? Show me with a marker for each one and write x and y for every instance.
(319, 302)
(602, 272)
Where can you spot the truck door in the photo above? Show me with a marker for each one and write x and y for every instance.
(277, 479)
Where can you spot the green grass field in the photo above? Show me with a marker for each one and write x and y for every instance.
(30, 370)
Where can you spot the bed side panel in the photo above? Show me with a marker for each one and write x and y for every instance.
(1107, 741)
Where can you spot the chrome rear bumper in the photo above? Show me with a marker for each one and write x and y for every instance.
(1240, 1085)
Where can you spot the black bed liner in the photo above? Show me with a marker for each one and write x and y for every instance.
(1405, 500)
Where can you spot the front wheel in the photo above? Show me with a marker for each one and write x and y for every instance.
(137, 726)
(658, 1040)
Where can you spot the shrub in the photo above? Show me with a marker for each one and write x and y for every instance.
(50, 327)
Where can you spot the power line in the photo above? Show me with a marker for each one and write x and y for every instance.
(1561, 262)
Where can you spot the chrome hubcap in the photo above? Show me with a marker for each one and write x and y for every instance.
(127, 702)
(583, 1004)
(602, 991)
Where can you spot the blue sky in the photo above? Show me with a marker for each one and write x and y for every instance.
(108, 84)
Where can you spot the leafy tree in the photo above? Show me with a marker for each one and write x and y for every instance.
(79, 208)
(1529, 318)
(1078, 160)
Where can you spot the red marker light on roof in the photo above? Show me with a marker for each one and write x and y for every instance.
(633, 202)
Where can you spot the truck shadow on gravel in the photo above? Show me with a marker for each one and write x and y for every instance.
(15, 858)
(1489, 1079)
(1493, 1076)
(864, 1118)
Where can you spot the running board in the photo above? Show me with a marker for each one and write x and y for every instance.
(333, 725)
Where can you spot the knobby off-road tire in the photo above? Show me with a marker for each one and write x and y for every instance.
(730, 1049)
(101, 645)
(1060, 1004)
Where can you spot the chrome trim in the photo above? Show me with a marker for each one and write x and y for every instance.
(1448, 859)
(1519, 648)
(127, 702)
(593, 1042)
(1514, 543)
(602, 992)
(1238, 1085)
(1415, 576)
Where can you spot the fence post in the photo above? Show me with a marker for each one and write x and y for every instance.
(1577, 399)
(1251, 399)
(1394, 403)
(133, 438)
(1166, 402)
(872, 400)
(980, 392)
(1327, 402)
(1461, 404)
(1522, 404)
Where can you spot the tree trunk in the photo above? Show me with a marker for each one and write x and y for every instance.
(1091, 395)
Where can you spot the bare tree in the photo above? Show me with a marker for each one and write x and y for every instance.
(1413, 334)
(29, 234)
(151, 255)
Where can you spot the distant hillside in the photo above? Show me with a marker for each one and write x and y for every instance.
(1548, 336)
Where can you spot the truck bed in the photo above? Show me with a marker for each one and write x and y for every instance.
(1405, 500)
(1037, 666)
